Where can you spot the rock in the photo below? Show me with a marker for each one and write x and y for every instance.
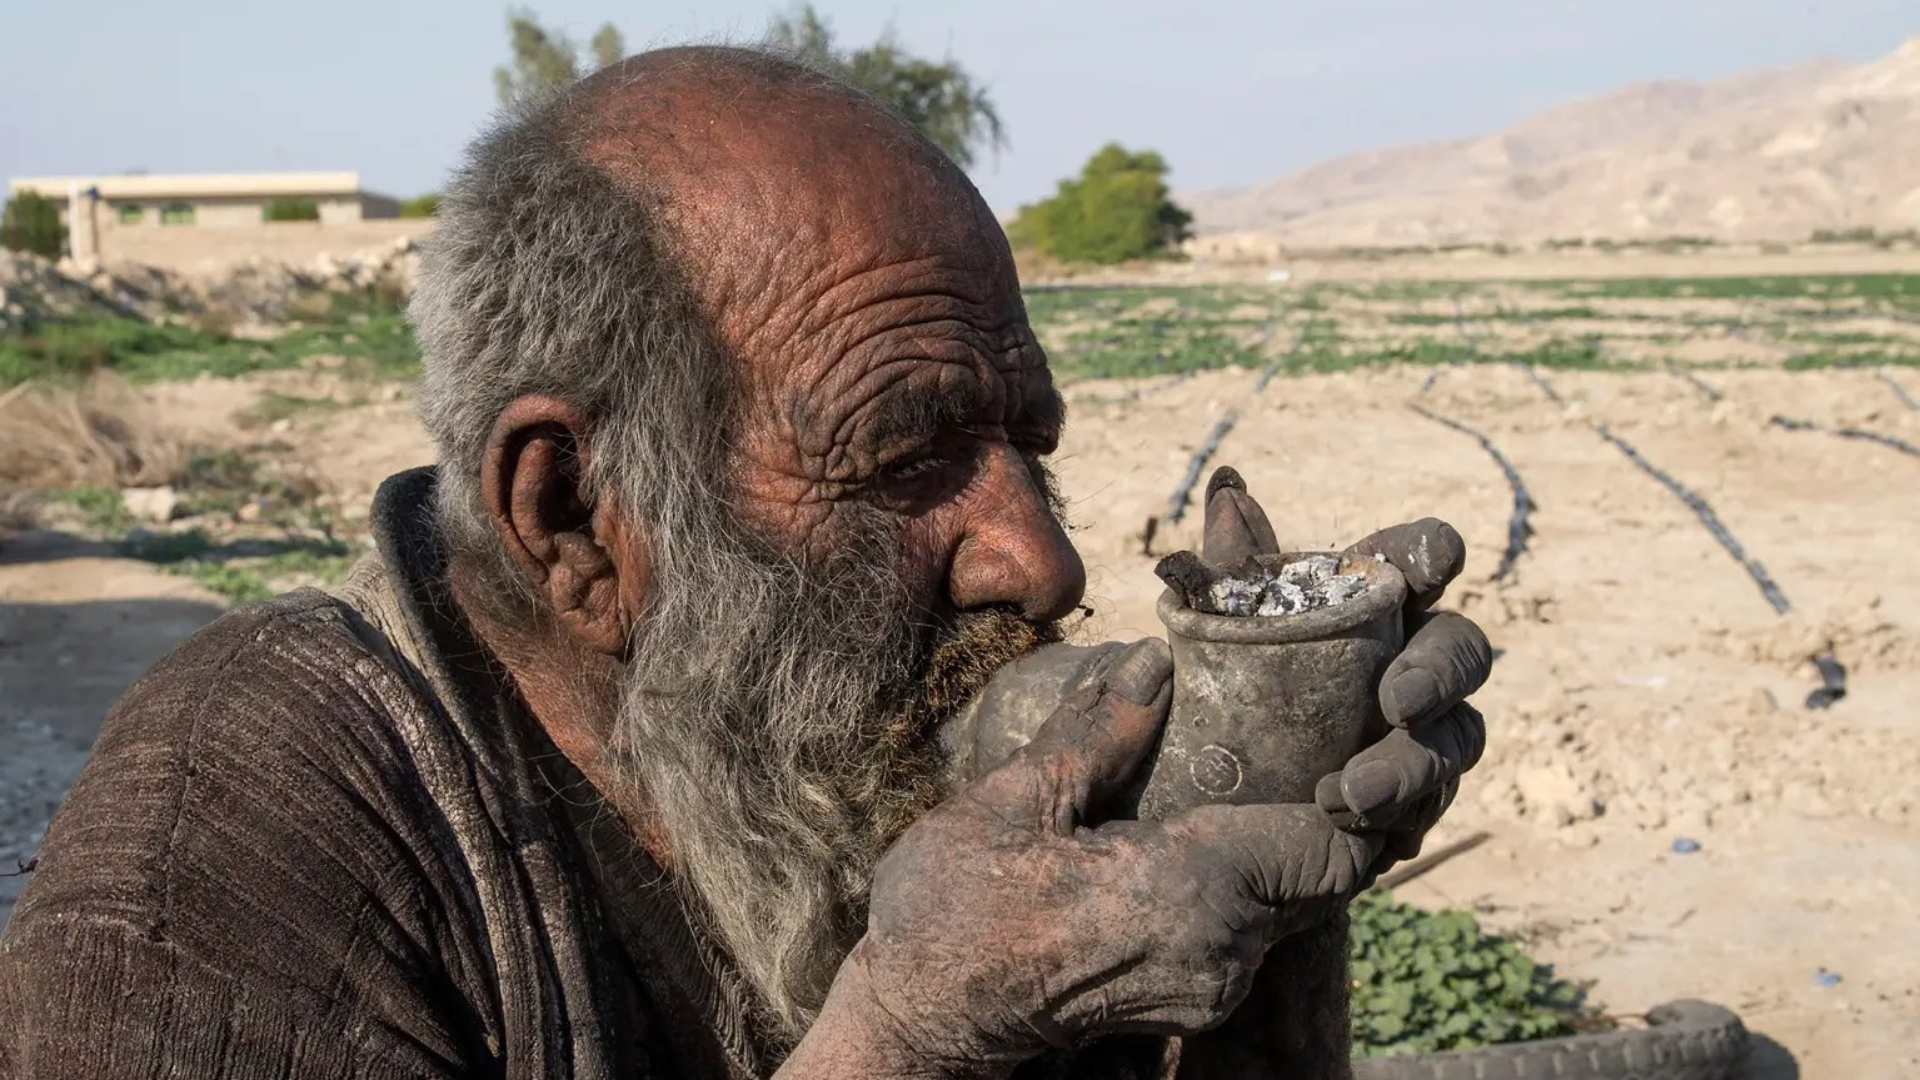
(155, 504)
(1554, 796)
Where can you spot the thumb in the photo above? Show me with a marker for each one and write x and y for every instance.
(1274, 855)
(1236, 526)
(1091, 745)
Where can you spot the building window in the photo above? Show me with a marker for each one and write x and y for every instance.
(176, 214)
(282, 208)
(132, 214)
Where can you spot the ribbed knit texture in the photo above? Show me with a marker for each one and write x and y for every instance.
(310, 843)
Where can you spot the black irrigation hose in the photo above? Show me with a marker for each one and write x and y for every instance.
(1273, 368)
(1893, 442)
(1769, 588)
(1183, 493)
(1519, 527)
(1706, 388)
(1898, 390)
(1833, 676)
(1541, 382)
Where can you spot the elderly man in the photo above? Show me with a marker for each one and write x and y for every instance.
(591, 771)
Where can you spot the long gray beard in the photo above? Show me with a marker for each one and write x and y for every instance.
(779, 721)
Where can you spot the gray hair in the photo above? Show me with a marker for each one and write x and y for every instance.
(776, 709)
(545, 275)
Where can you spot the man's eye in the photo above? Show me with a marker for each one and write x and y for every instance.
(915, 468)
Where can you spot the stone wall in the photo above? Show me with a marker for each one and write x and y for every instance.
(199, 249)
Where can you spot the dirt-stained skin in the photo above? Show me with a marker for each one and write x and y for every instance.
(888, 367)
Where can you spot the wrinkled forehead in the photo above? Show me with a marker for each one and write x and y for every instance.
(847, 263)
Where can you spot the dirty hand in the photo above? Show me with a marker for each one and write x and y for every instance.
(1001, 924)
(1399, 786)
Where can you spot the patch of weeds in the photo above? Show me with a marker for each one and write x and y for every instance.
(380, 347)
(1159, 347)
(370, 336)
(100, 507)
(1817, 361)
(166, 547)
(245, 571)
(1055, 304)
(59, 350)
(1895, 287)
(1427, 981)
(1417, 290)
(1836, 337)
(227, 480)
(1324, 357)
(235, 584)
(275, 406)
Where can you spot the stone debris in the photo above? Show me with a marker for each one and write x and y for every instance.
(252, 292)
(153, 504)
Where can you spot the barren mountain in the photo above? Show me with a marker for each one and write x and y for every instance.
(1755, 156)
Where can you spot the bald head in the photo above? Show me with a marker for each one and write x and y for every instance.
(759, 162)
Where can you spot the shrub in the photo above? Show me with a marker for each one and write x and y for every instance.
(419, 206)
(284, 208)
(31, 222)
(1426, 981)
(1118, 208)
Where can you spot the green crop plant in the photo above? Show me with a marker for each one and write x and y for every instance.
(1425, 981)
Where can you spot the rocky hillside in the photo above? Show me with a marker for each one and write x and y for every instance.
(249, 292)
(1756, 156)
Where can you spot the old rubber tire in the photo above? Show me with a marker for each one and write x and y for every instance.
(1685, 1040)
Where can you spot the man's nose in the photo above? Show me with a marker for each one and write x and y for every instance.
(1014, 550)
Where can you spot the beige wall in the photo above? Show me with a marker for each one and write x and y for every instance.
(191, 248)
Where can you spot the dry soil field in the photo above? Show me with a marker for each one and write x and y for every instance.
(1646, 692)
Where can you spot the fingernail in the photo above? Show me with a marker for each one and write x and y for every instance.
(1141, 671)
(1371, 786)
(1415, 693)
(1226, 476)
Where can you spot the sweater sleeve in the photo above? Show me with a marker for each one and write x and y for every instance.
(244, 882)
(120, 1005)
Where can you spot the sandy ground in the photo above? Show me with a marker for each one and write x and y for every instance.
(1645, 691)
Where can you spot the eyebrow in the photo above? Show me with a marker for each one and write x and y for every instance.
(919, 416)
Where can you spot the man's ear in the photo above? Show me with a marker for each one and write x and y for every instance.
(583, 556)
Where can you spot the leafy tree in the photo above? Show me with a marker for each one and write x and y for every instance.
(283, 208)
(31, 222)
(427, 205)
(941, 99)
(544, 59)
(608, 46)
(1118, 208)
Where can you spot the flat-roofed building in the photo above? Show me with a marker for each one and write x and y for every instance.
(94, 208)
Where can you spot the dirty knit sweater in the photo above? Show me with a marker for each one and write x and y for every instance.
(321, 839)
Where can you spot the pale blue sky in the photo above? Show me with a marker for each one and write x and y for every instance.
(1231, 91)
